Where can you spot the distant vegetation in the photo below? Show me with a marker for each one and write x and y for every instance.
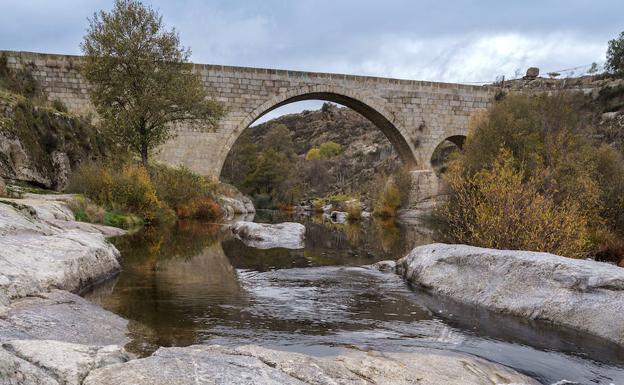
(537, 173)
(615, 56)
(315, 157)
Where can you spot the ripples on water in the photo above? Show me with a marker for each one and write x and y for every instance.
(195, 284)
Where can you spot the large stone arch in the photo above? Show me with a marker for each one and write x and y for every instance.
(369, 107)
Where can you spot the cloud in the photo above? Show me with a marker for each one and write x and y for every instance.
(476, 58)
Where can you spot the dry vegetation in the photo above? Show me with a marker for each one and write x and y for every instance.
(531, 177)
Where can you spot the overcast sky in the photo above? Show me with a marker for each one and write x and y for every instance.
(454, 41)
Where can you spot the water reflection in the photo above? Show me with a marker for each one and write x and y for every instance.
(194, 283)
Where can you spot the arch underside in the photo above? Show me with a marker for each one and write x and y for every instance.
(393, 134)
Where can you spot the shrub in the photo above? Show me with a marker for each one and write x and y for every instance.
(313, 153)
(354, 210)
(615, 56)
(86, 211)
(403, 181)
(124, 188)
(388, 200)
(565, 185)
(199, 208)
(498, 208)
(328, 150)
(179, 186)
(58, 105)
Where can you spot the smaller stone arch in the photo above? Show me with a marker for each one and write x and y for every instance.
(368, 107)
(443, 150)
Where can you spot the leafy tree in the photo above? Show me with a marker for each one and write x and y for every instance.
(278, 138)
(593, 69)
(313, 153)
(615, 56)
(329, 149)
(141, 78)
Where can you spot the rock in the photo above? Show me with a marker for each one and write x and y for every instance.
(15, 371)
(62, 168)
(385, 266)
(62, 316)
(338, 216)
(288, 235)
(3, 191)
(582, 294)
(233, 202)
(257, 365)
(532, 73)
(231, 207)
(36, 256)
(67, 363)
(327, 208)
(53, 210)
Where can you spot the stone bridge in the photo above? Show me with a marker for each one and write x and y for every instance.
(416, 116)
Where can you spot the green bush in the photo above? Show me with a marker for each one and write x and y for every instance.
(498, 208)
(178, 186)
(531, 177)
(615, 56)
(86, 211)
(313, 153)
(388, 200)
(122, 188)
(329, 149)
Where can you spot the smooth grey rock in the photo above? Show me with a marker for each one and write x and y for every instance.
(257, 365)
(191, 365)
(288, 235)
(385, 266)
(233, 206)
(582, 294)
(233, 202)
(68, 363)
(338, 216)
(16, 371)
(63, 316)
(36, 256)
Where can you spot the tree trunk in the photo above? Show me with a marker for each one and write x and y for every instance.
(144, 155)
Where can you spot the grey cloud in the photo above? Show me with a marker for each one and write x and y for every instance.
(462, 40)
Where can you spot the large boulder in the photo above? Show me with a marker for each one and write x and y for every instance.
(65, 362)
(63, 316)
(582, 294)
(257, 365)
(233, 202)
(38, 252)
(16, 371)
(287, 235)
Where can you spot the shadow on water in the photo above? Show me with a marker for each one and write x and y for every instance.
(194, 283)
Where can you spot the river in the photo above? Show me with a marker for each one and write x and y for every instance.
(194, 283)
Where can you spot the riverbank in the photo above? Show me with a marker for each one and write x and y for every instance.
(46, 258)
(585, 295)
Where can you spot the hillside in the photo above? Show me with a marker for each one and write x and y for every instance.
(365, 152)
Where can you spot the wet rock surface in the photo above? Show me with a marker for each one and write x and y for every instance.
(581, 294)
(256, 365)
(289, 235)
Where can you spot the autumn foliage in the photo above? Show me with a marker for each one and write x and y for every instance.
(531, 177)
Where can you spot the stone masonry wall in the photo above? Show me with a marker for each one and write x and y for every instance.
(415, 115)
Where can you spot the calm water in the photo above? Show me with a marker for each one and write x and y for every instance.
(196, 284)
